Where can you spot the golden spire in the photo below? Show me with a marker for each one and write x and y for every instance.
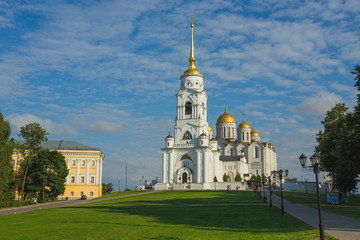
(192, 55)
(192, 68)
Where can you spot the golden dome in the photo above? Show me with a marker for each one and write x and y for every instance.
(210, 128)
(254, 133)
(226, 117)
(244, 124)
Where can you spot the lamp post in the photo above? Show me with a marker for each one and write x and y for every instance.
(263, 184)
(306, 180)
(280, 174)
(270, 190)
(315, 166)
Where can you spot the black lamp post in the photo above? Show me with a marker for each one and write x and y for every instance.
(270, 190)
(280, 174)
(263, 184)
(315, 166)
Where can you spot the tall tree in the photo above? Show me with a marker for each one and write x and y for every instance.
(6, 150)
(47, 175)
(33, 134)
(339, 142)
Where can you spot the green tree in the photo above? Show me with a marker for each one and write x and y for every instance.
(107, 188)
(215, 179)
(33, 134)
(339, 142)
(47, 175)
(225, 177)
(238, 178)
(6, 150)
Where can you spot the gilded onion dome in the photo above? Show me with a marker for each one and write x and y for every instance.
(254, 133)
(209, 128)
(226, 118)
(192, 68)
(244, 124)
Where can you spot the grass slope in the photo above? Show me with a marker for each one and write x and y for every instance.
(162, 215)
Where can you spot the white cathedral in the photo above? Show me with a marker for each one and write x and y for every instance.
(196, 159)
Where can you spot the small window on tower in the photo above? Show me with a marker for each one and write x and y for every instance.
(188, 108)
(187, 135)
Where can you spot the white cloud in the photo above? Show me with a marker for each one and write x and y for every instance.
(105, 127)
(318, 104)
(19, 120)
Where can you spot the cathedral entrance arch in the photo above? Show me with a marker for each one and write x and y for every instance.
(184, 177)
(231, 176)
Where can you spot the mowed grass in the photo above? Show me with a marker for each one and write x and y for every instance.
(352, 210)
(161, 215)
(117, 194)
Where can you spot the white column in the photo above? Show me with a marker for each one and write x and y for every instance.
(97, 171)
(198, 167)
(87, 171)
(206, 167)
(78, 162)
(171, 167)
(100, 169)
(68, 176)
(164, 168)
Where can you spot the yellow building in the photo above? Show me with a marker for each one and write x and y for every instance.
(84, 164)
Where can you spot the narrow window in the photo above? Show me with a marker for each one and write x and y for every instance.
(256, 152)
(91, 193)
(83, 163)
(92, 179)
(72, 179)
(188, 108)
(243, 136)
(82, 179)
(224, 132)
(247, 136)
(232, 152)
(73, 162)
(72, 193)
(93, 163)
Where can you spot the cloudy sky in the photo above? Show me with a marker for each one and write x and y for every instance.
(105, 73)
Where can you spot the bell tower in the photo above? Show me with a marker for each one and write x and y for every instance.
(191, 117)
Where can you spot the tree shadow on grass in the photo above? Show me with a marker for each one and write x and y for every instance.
(236, 219)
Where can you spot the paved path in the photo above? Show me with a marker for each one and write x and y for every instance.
(341, 227)
(15, 210)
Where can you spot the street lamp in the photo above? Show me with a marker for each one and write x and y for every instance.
(270, 190)
(315, 167)
(263, 185)
(280, 174)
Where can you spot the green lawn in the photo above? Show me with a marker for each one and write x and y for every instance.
(117, 194)
(162, 215)
(352, 210)
(344, 210)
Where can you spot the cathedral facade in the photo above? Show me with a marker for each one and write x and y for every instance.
(195, 158)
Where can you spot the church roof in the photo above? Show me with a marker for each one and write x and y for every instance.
(63, 145)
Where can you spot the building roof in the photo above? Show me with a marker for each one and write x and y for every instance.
(63, 145)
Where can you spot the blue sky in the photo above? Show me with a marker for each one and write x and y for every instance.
(105, 73)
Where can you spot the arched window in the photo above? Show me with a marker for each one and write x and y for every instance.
(257, 152)
(188, 108)
(231, 152)
(187, 135)
(243, 136)
(247, 136)
(224, 132)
